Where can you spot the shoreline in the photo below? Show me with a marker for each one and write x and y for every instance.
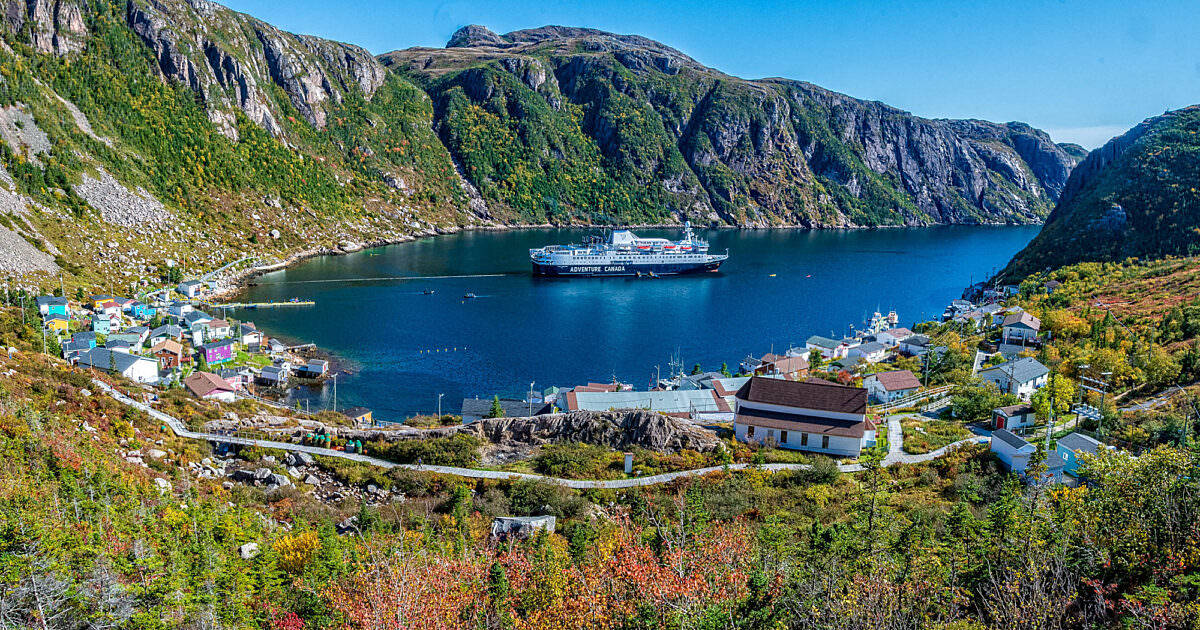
(238, 281)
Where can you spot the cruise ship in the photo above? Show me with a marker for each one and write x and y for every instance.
(627, 254)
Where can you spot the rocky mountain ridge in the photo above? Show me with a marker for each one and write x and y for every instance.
(732, 151)
(1136, 196)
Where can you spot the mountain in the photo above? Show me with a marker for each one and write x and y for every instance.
(183, 130)
(138, 132)
(1136, 196)
(561, 123)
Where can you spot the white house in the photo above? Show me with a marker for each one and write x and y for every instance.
(871, 352)
(208, 386)
(190, 288)
(1021, 376)
(885, 387)
(829, 348)
(1013, 417)
(134, 368)
(1020, 327)
(916, 345)
(1014, 452)
(811, 415)
(891, 338)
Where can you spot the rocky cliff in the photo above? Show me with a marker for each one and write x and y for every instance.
(675, 139)
(1135, 196)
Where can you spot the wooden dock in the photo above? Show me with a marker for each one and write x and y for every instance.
(254, 305)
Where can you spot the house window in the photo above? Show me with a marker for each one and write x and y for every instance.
(803, 439)
(824, 441)
(750, 430)
(783, 437)
(770, 434)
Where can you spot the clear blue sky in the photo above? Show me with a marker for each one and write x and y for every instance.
(1082, 70)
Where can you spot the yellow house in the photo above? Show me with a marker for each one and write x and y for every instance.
(58, 323)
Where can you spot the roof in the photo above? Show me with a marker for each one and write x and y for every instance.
(1023, 318)
(1010, 438)
(170, 330)
(1022, 370)
(897, 380)
(787, 365)
(870, 347)
(899, 333)
(168, 345)
(204, 383)
(106, 359)
(916, 340)
(192, 317)
(1080, 443)
(217, 323)
(786, 421)
(50, 300)
(823, 342)
(728, 386)
(190, 283)
(810, 394)
(356, 412)
(513, 408)
(57, 316)
(1014, 410)
(220, 343)
(671, 401)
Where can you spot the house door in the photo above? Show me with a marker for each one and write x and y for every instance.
(1000, 422)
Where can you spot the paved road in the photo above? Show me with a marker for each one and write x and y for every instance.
(1156, 401)
(895, 455)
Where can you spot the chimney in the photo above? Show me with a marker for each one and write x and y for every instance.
(628, 463)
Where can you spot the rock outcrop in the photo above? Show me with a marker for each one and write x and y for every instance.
(230, 59)
(615, 429)
(54, 26)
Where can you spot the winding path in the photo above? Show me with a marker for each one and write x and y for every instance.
(895, 454)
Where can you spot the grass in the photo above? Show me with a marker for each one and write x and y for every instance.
(923, 436)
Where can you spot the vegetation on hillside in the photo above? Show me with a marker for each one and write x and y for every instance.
(1143, 203)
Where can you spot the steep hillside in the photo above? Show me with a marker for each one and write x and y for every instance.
(1135, 196)
(561, 123)
(186, 131)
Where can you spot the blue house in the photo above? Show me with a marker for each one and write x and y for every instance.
(1072, 446)
(105, 324)
(85, 337)
(50, 305)
(138, 310)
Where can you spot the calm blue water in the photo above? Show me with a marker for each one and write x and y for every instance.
(564, 332)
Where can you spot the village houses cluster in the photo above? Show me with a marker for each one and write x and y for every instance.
(165, 339)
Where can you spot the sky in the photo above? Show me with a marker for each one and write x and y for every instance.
(1084, 71)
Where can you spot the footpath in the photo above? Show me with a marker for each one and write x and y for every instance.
(895, 456)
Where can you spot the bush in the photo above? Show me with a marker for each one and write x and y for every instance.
(531, 497)
(456, 450)
(572, 459)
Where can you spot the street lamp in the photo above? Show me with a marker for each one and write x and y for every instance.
(531, 399)
(440, 408)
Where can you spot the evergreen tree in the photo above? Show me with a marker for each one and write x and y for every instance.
(497, 410)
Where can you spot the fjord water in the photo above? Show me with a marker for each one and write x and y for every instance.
(403, 347)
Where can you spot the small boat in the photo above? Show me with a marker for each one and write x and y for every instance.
(771, 276)
(428, 291)
(468, 296)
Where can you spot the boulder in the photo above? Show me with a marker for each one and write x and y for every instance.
(248, 550)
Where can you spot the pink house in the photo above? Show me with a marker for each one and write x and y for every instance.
(216, 352)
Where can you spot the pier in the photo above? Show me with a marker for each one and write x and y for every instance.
(253, 305)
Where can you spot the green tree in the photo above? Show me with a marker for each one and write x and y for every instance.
(696, 369)
(497, 410)
(1061, 390)
(725, 370)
